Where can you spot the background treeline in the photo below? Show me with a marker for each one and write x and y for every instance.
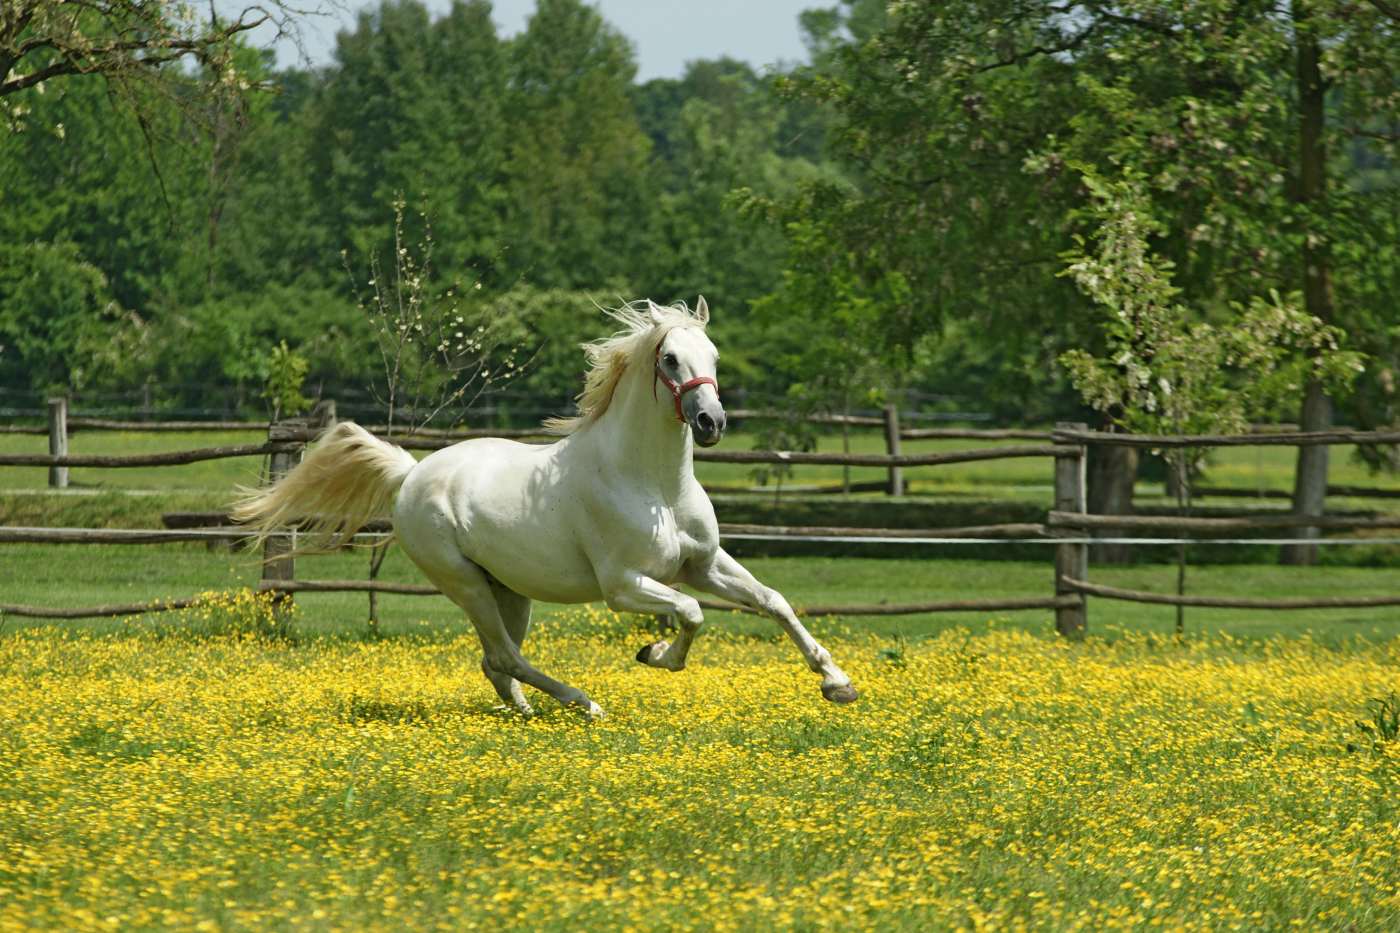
(178, 233)
(892, 216)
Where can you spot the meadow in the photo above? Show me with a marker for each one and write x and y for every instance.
(228, 766)
(225, 772)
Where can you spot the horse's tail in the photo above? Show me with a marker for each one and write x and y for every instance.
(350, 477)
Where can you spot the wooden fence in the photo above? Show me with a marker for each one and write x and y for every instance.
(1068, 527)
(61, 423)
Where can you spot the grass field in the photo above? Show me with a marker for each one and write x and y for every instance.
(80, 575)
(195, 777)
(220, 768)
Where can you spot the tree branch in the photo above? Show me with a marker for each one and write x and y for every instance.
(77, 59)
(1038, 51)
(1391, 10)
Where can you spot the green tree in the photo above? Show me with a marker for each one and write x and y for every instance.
(1165, 369)
(581, 191)
(54, 307)
(127, 42)
(82, 173)
(716, 130)
(413, 109)
(1250, 123)
(956, 122)
(932, 132)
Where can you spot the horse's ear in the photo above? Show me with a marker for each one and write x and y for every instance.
(656, 316)
(702, 311)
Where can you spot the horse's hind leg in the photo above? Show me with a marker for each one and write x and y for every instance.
(515, 613)
(468, 586)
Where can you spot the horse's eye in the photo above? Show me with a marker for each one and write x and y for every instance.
(671, 359)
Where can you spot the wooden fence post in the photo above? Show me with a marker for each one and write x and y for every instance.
(58, 440)
(322, 416)
(895, 487)
(1071, 560)
(292, 434)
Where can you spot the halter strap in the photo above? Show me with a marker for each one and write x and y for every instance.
(678, 391)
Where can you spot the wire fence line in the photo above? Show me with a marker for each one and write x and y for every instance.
(1231, 602)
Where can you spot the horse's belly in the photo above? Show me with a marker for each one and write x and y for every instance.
(500, 505)
(525, 538)
(543, 568)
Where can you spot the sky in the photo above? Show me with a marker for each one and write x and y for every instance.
(665, 33)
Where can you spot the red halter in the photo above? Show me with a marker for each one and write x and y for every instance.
(678, 391)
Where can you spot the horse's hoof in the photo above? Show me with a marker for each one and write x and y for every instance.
(840, 693)
(592, 711)
(650, 655)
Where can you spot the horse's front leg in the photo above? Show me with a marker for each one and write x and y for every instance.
(726, 577)
(636, 592)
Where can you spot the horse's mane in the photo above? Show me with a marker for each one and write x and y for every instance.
(609, 357)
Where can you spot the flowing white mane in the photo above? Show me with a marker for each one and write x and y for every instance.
(609, 357)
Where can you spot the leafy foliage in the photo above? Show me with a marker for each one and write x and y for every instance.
(282, 384)
(53, 309)
(1167, 370)
(216, 213)
(890, 216)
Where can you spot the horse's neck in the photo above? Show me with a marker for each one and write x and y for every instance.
(639, 436)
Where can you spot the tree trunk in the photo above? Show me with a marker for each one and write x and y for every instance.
(1112, 473)
(1310, 477)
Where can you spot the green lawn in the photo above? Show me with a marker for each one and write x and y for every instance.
(77, 575)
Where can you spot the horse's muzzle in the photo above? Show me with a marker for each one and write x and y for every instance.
(708, 427)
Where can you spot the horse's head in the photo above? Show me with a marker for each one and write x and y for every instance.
(685, 364)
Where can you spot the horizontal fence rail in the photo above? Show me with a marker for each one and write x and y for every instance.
(973, 434)
(188, 530)
(143, 427)
(1279, 439)
(171, 458)
(882, 460)
(799, 532)
(876, 609)
(1230, 602)
(1217, 525)
(417, 589)
(17, 534)
(1239, 492)
(98, 612)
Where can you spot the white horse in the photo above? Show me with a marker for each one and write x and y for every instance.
(611, 511)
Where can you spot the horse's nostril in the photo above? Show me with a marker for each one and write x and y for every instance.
(706, 423)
